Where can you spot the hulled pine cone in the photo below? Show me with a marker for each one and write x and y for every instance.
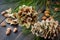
(27, 15)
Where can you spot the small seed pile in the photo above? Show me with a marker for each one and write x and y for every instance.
(46, 15)
(11, 19)
(47, 28)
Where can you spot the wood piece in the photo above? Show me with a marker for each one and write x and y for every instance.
(8, 20)
(47, 15)
(3, 24)
(3, 13)
(8, 32)
(6, 15)
(47, 12)
(15, 30)
(44, 18)
(56, 9)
